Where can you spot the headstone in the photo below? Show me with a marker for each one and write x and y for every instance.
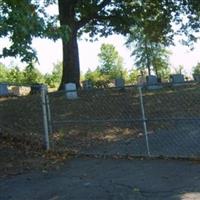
(36, 88)
(20, 90)
(87, 85)
(196, 77)
(4, 89)
(177, 79)
(119, 83)
(141, 81)
(152, 82)
(71, 92)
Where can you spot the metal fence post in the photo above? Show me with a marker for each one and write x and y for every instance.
(48, 114)
(45, 116)
(144, 120)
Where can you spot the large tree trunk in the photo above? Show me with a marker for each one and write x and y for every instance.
(148, 62)
(71, 66)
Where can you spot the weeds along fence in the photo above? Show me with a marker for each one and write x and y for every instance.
(131, 121)
(125, 122)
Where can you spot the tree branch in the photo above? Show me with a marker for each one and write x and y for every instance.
(103, 4)
(92, 15)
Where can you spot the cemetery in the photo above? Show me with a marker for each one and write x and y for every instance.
(150, 82)
(120, 131)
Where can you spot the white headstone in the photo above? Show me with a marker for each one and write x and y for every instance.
(71, 92)
(3, 89)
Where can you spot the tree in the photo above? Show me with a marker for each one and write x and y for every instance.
(22, 20)
(149, 54)
(111, 63)
(196, 69)
(133, 76)
(15, 75)
(93, 76)
(179, 69)
(32, 75)
(3, 73)
(110, 67)
(53, 79)
(160, 61)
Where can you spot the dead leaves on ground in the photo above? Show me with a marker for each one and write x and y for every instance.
(18, 156)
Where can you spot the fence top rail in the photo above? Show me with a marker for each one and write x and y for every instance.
(85, 121)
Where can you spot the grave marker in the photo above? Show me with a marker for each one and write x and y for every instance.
(4, 89)
(196, 77)
(177, 79)
(119, 83)
(152, 82)
(87, 85)
(71, 92)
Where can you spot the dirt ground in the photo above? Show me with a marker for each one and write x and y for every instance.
(107, 179)
(19, 157)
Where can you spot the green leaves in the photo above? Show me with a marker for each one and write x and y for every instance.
(111, 63)
(196, 69)
(21, 21)
(148, 54)
(29, 75)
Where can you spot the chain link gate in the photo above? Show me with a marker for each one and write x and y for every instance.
(130, 122)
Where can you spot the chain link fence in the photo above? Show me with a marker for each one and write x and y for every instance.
(21, 120)
(96, 118)
(129, 121)
(173, 120)
(125, 122)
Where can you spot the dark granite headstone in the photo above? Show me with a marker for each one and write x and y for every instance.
(36, 88)
(119, 83)
(152, 82)
(4, 89)
(196, 77)
(177, 79)
(87, 85)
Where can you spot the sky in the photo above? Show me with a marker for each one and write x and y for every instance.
(50, 52)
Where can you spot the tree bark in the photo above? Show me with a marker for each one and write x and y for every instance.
(71, 66)
(147, 59)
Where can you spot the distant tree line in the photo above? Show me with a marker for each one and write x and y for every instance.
(111, 66)
(31, 75)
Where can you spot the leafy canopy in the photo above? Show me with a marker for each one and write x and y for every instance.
(22, 20)
(30, 75)
(111, 63)
(148, 54)
(196, 69)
